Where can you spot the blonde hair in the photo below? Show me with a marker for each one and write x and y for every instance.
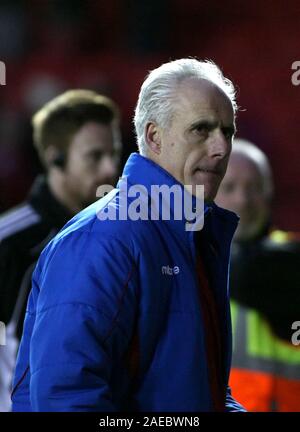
(57, 121)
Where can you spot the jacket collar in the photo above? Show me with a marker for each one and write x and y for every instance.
(140, 170)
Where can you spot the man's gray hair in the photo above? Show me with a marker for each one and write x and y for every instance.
(251, 152)
(158, 94)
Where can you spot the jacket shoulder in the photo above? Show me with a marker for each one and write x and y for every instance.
(98, 219)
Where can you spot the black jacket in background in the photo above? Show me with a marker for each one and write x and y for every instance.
(24, 232)
(265, 276)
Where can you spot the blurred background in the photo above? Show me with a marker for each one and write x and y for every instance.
(49, 46)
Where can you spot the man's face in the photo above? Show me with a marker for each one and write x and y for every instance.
(196, 146)
(92, 160)
(242, 191)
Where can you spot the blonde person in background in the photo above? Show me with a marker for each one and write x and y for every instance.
(77, 137)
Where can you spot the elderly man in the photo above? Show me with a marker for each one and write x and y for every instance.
(133, 314)
(264, 288)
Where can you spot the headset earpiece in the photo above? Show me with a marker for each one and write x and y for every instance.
(59, 161)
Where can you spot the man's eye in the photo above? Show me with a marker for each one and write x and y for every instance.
(201, 129)
(115, 154)
(255, 189)
(95, 156)
(227, 187)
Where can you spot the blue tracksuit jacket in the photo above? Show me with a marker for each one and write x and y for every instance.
(113, 319)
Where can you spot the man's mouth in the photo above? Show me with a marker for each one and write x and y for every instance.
(214, 171)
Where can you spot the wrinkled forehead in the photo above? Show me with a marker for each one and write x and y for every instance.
(93, 135)
(198, 96)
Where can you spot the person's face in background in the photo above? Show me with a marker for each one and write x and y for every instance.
(242, 191)
(196, 146)
(92, 160)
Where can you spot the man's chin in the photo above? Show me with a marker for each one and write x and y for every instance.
(210, 193)
(202, 191)
(246, 233)
(210, 189)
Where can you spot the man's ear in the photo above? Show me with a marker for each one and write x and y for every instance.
(153, 137)
(54, 157)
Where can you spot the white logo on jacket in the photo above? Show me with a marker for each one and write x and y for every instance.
(170, 271)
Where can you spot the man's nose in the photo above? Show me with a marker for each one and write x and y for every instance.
(241, 199)
(220, 146)
(107, 167)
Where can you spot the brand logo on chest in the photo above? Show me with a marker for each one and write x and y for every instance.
(170, 271)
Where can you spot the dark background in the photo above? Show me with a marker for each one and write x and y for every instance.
(49, 46)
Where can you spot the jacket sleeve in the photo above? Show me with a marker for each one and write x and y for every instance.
(231, 404)
(13, 265)
(84, 320)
